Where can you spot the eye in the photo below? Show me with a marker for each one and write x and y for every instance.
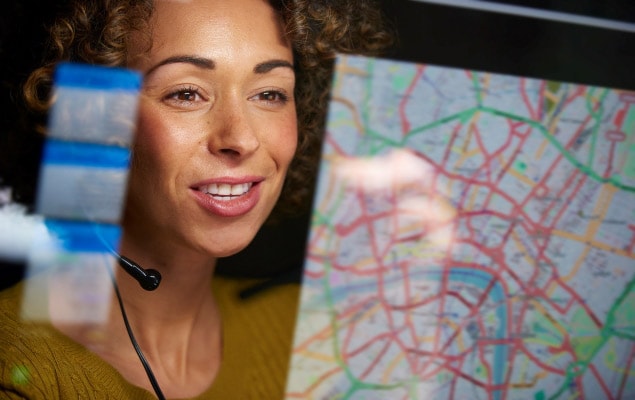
(185, 96)
(271, 97)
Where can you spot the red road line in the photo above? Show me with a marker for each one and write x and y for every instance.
(609, 163)
(523, 92)
(405, 124)
(539, 362)
(375, 361)
(605, 389)
(626, 374)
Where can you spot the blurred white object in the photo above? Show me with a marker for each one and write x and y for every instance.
(17, 231)
(5, 195)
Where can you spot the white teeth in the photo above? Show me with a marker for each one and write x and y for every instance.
(225, 189)
(237, 190)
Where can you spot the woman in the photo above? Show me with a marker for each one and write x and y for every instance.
(230, 114)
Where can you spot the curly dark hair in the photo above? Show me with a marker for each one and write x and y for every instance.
(99, 31)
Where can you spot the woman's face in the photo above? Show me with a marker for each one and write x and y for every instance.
(216, 129)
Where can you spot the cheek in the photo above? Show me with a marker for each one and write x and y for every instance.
(144, 149)
(286, 142)
(150, 155)
(159, 141)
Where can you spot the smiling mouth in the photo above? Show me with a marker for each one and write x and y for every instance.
(225, 191)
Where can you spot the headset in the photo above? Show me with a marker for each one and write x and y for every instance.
(149, 279)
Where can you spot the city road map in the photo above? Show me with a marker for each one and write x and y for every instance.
(473, 237)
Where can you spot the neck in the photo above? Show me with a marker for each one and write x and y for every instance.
(172, 324)
(184, 290)
(177, 325)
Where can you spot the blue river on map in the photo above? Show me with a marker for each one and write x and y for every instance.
(477, 278)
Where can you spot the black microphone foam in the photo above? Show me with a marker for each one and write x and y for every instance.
(149, 279)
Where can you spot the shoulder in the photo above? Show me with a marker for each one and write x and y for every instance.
(24, 350)
(257, 337)
(16, 335)
(257, 313)
(39, 362)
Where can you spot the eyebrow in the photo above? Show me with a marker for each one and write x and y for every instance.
(206, 63)
(264, 67)
(200, 62)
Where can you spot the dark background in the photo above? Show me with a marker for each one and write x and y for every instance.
(618, 10)
(427, 33)
(454, 36)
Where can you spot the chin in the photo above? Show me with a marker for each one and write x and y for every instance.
(218, 253)
(228, 245)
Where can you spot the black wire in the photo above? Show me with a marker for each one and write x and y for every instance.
(144, 362)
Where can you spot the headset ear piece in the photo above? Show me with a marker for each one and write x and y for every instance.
(151, 281)
(148, 279)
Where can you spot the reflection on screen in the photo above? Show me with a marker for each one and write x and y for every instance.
(81, 190)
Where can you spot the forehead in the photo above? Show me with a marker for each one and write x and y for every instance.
(217, 29)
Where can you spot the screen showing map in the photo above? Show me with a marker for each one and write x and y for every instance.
(473, 237)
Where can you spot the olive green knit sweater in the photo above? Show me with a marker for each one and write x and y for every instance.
(38, 362)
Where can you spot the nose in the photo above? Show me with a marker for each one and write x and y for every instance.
(233, 131)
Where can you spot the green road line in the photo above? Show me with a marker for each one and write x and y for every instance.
(466, 114)
(611, 318)
(597, 116)
(607, 331)
(583, 168)
(624, 316)
(463, 116)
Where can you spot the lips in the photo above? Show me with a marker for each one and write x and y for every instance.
(228, 197)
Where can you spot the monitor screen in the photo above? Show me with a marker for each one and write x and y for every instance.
(473, 233)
